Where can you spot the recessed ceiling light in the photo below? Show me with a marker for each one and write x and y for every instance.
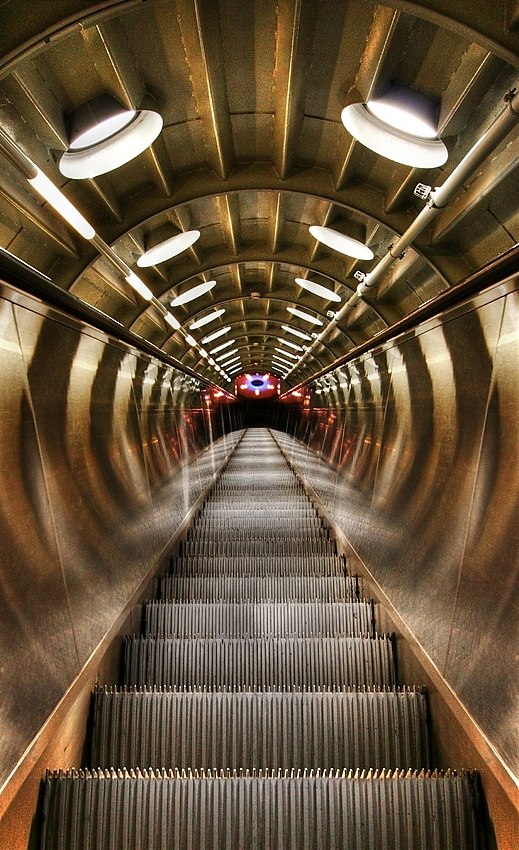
(222, 346)
(168, 249)
(295, 332)
(317, 289)
(216, 334)
(105, 135)
(339, 242)
(209, 317)
(399, 125)
(191, 294)
(286, 353)
(232, 361)
(284, 341)
(278, 359)
(313, 320)
(190, 339)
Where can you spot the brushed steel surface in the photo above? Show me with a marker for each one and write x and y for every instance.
(100, 460)
(426, 491)
(38, 656)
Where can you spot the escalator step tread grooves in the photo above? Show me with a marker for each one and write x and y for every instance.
(259, 707)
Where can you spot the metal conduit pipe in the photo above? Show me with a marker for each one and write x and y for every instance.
(437, 199)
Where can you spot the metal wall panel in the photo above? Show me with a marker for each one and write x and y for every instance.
(425, 488)
(103, 452)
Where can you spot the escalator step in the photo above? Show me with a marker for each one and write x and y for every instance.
(259, 588)
(159, 811)
(251, 620)
(261, 663)
(314, 729)
(256, 565)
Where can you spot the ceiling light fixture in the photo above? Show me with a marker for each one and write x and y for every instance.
(222, 346)
(234, 361)
(284, 341)
(279, 359)
(226, 355)
(190, 339)
(342, 243)
(317, 289)
(295, 332)
(50, 193)
(287, 353)
(216, 334)
(104, 135)
(140, 287)
(399, 125)
(209, 317)
(191, 294)
(168, 249)
(313, 320)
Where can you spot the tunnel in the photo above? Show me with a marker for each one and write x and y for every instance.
(259, 454)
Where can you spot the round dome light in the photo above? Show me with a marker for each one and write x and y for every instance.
(169, 248)
(135, 131)
(402, 144)
(191, 294)
(339, 242)
(317, 289)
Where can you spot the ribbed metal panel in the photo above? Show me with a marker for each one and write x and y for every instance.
(318, 729)
(160, 811)
(259, 589)
(260, 619)
(262, 663)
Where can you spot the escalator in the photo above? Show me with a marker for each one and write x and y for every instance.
(259, 707)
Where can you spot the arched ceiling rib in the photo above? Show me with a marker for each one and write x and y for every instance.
(253, 151)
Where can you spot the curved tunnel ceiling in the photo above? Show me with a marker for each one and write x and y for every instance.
(252, 152)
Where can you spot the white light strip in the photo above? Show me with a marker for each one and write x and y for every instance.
(232, 361)
(216, 334)
(226, 355)
(283, 366)
(286, 353)
(294, 331)
(313, 320)
(210, 317)
(172, 321)
(222, 346)
(61, 204)
(317, 289)
(140, 287)
(190, 339)
(284, 341)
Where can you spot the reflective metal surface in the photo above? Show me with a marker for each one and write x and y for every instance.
(423, 480)
(102, 452)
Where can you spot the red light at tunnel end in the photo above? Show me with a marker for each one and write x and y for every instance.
(257, 385)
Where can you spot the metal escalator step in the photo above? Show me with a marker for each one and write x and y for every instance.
(259, 588)
(276, 729)
(251, 620)
(157, 810)
(270, 546)
(269, 565)
(260, 664)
